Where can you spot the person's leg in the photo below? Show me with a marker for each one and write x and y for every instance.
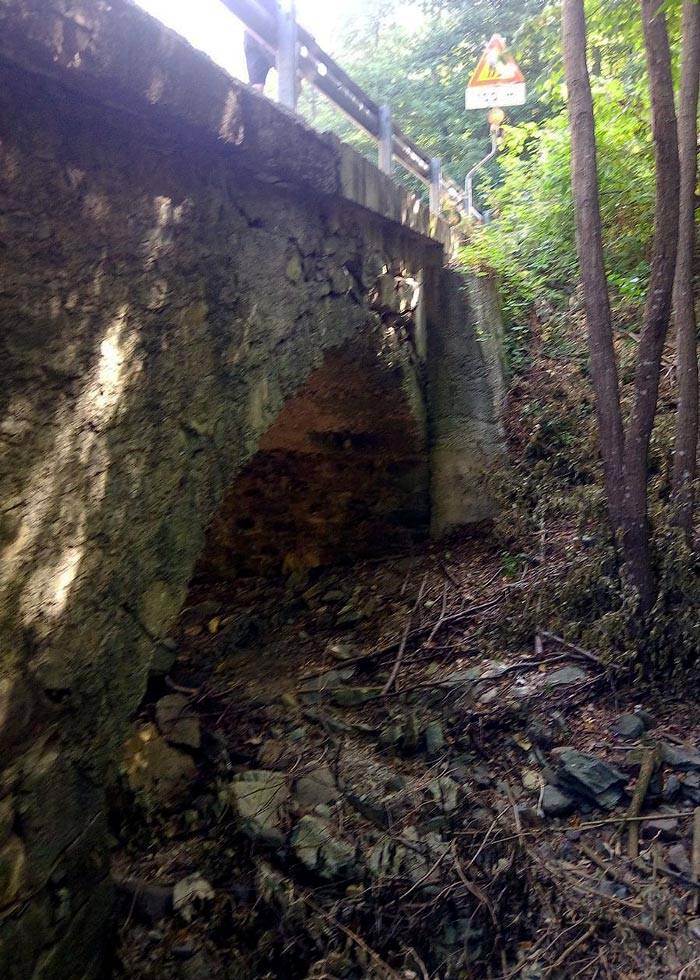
(259, 62)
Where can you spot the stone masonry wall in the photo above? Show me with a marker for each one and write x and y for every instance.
(192, 285)
(159, 306)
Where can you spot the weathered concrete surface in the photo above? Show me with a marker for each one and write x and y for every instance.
(178, 260)
(127, 60)
(465, 392)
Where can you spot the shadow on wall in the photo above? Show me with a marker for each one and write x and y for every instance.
(341, 474)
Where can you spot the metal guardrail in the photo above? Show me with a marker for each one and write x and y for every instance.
(299, 56)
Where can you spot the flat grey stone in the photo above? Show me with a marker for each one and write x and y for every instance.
(488, 697)
(434, 738)
(258, 797)
(665, 827)
(386, 858)
(443, 791)
(672, 787)
(629, 726)
(564, 676)
(316, 787)
(176, 721)
(555, 803)
(351, 697)
(190, 894)
(315, 845)
(590, 777)
(327, 681)
(690, 787)
(681, 757)
(677, 857)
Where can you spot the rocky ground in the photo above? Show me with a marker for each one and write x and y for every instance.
(351, 777)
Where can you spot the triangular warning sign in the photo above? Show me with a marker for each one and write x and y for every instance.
(497, 66)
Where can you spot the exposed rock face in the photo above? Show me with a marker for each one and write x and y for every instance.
(179, 260)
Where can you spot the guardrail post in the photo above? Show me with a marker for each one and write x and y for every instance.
(386, 140)
(435, 181)
(287, 56)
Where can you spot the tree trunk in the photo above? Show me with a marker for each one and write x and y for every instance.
(589, 241)
(658, 306)
(625, 455)
(685, 455)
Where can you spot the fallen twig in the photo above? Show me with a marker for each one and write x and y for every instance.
(560, 960)
(397, 663)
(573, 647)
(646, 771)
(473, 889)
(606, 868)
(696, 851)
(440, 619)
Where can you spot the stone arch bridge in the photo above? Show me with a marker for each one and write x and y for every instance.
(225, 339)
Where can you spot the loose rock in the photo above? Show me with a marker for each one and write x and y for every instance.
(587, 776)
(319, 850)
(629, 726)
(317, 786)
(176, 723)
(665, 827)
(351, 697)
(258, 797)
(680, 757)
(434, 738)
(555, 803)
(190, 895)
(156, 772)
(677, 857)
(443, 791)
(565, 675)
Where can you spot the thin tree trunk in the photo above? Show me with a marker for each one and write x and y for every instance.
(589, 241)
(685, 455)
(625, 455)
(658, 306)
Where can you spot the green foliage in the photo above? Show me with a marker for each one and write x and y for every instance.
(532, 244)
(417, 58)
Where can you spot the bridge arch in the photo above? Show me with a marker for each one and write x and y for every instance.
(183, 304)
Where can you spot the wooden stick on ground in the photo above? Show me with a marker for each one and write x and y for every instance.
(399, 656)
(696, 851)
(571, 949)
(607, 868)
(586, 654)
(646, 771)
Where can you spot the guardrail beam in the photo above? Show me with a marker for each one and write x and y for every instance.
(278, 31)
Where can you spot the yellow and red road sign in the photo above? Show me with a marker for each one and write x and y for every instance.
(497, 79)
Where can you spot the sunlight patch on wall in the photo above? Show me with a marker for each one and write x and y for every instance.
(69, 482)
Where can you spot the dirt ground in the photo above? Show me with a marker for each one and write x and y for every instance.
(362, 780)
